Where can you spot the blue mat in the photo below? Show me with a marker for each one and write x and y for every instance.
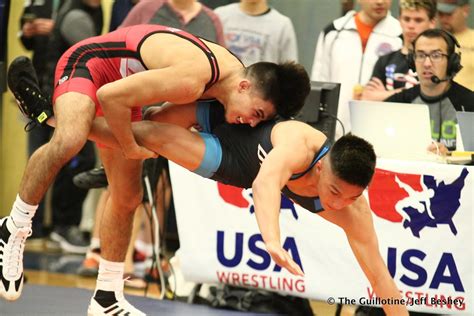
(62, 301)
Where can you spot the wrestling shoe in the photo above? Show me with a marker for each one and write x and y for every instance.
(70, 239)
(12, 245)
(112, 303)
(23, 83)
(91, 179)
(90, 265)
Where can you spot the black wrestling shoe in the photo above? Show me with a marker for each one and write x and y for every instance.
(70, 239)
(91, 179)
(23, 83)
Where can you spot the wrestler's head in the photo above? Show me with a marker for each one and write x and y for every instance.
(345, 172)
(266, 89)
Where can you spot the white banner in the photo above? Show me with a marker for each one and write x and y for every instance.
(423, 214)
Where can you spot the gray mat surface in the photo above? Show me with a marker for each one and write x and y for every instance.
(61, 301)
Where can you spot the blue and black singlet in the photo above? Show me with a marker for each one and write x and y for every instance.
(243, 148)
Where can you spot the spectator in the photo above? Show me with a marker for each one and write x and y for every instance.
(36, 26)
(391, 72)
(188, 15)
(349, 47)
(453, 16)
(437, 63)
(256, 32)
(120, 10)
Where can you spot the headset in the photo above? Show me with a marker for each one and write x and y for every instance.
(454, 58)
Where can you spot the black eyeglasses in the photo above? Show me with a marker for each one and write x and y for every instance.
(433, 56)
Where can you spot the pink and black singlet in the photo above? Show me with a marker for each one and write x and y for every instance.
(96, 61)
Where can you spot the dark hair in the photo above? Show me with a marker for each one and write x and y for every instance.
(353, 160)
(286, 85)
(428, 5)
(438, 33)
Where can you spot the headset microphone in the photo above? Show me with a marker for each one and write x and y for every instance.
(437, 80)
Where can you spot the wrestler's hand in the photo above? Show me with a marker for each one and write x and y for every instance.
(138, 152)
(283, 258)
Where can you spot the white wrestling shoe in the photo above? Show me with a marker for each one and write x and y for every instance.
(112, 303)
(12, 245)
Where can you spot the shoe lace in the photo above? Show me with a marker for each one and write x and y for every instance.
(29, 93)
(14, 257)
(32, 103)
(30, 125)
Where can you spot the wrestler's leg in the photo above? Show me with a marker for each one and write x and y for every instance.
(125, 190)
(124, 177)
(178, 144)
(74, 114)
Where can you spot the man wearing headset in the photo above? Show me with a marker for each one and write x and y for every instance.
(437, 62)
(391, 72)
(348, 48)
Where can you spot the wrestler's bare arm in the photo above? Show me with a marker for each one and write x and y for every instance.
(183, 115)
(274, 173)
(178, 72)
(356, 221)
(175, 84)
(289, 155)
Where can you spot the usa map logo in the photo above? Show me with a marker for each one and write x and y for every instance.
(417, 201)
(235, 196)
